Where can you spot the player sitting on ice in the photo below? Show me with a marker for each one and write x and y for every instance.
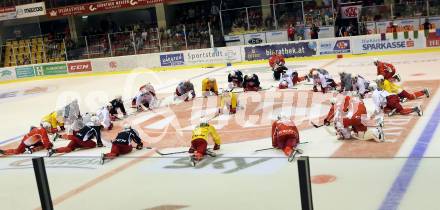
(323, 79)
(346, 82)
(392, 88)
(251, 83)
(351, 120)
(390, 103)
(122, 143)
(285, 136)
(183, 90)
(199, 141)
(209, 87)
(360, 85)
(235, 79)
(290, 79)
(56, 120)
(104, 116)
(33, 141)
(83, 138)
(387, 70)
(228, 102)
(117, 103)
(277, 62)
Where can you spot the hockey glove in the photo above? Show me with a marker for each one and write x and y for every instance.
(140, 146)
(216, 147)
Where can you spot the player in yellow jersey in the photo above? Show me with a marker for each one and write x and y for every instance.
(209, 87)
(228, 102)
(199, 141)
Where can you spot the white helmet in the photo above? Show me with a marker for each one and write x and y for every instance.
(375, 60)
(108, 105)
(46, 125)
(372, 86)
(232, 73)
(127, 126)
(379, 78)
(203, 121)
(333, 100)
(211, 79)
(94, 120)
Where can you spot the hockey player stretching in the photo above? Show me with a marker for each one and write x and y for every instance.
(82, 139)
(277, 62)
(183, 90)
(33, 141)
(285, 136)
(228, 102)
(209, 87)
(251, 83)
(122, 143)
(387, 70)
(392, 88)
(199, 141)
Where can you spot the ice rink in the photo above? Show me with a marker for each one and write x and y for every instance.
(401, 173)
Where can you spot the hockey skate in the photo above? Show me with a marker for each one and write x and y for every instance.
(50, 152)
(397, 77)
(102, 159)
(418, 110)
(426, 92)
(392, 112)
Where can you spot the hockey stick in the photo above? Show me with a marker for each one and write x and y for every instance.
(171, 153)
(316, 126)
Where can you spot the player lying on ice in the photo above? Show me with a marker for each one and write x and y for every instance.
(290, 79)
(351, 121)
(145, 99)
(387, 70)
(199, 141)
(121, 145)
(285, 136)
(251, 83)
(277, 63)
(235, 79)
(37, 139)
(83, 138)
(390, 103)
(392, 88)
(209, 87)
(183, 91)
(228, 102)
(323, 79)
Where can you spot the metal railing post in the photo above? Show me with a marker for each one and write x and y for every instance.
(247, 18)
(87, 47)
(134, 43)
(110, 45)
(184, 34)
(221, 23)
(275, 17)
(304, 14)
(65, 50)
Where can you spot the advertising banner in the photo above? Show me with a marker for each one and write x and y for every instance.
(366, 44)
(276, 36)
(234, 40)
(262, 52)
(213, 55)
(31, 10)
(256, 38)
(334, 46)
(25, 71)
(351, 11)
(7, 74)
(433, 40)
(51, 69)
(7, 13)
(81, 9)
(175, 59)
(77, 67)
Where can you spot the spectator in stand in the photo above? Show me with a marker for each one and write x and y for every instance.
(314, 32)
(392, 28)
(291, 32)
(427, 25)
